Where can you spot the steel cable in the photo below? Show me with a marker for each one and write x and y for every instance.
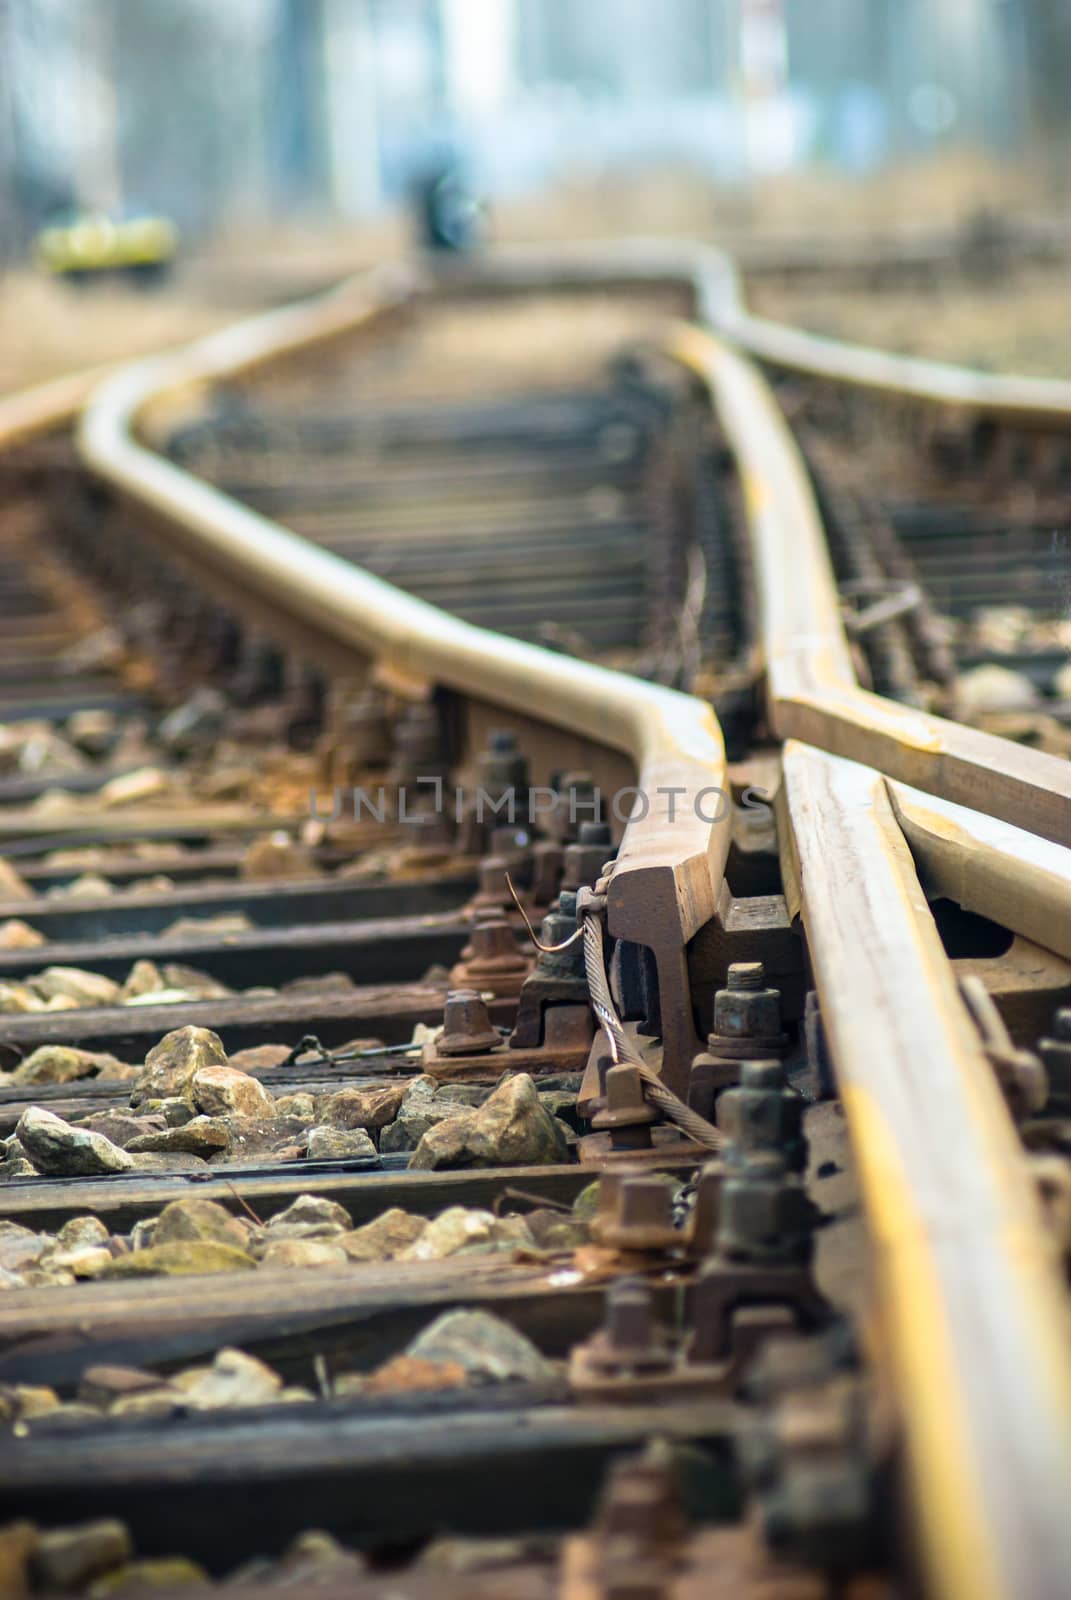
(622, 1048)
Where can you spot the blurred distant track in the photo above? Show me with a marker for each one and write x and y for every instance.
(556, 495)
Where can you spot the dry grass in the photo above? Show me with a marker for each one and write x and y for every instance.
(50, 328)
(819, 202)
(1017, 325)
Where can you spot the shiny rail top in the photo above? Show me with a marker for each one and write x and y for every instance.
(812, 690)
(669, 867)
(956, 1225)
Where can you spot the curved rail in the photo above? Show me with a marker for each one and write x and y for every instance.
(1031, 402)
(974, 1309)
(668, 871)
(968, 1282)
(1003, 873)
(812, 691)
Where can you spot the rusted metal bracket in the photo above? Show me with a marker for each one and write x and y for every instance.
(665, 882)
(1026, 984)
(630, 1361)
(815, 1460)
(470, 1047)
(749, 928)
(1019, 1072)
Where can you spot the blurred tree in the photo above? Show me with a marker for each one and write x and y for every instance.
(42, 99)
(300, 164)
(1048, 56)
(942, 71)
(629, 48)
(352, 106)
(9, 221)
(191, 90)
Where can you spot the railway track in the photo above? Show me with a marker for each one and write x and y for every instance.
(315, 603)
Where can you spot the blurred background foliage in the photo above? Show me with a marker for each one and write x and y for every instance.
(228, 112)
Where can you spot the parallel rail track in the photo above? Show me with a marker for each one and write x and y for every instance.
(961, 1387)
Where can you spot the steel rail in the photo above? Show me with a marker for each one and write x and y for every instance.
(46, 407)
(972, 1295)
(812, 691)
(1030, 402)
(668, 871)
(973, 1309)
(975, 1313)
(1003, 873)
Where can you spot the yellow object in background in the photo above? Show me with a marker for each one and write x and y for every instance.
(91, 244)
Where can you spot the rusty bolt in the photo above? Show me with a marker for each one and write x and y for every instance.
(493, 944)
(630, 1338)
(557, 927)
(810, 1461)
(761, 1112)
(512, 845)
(496, 962)
(627, 1114)
(493, 893)
(609, 1192)
(557, 979)
(645, 1203)
(429, 832)
(417, 744)
(366, 730)
(576, 802)
(547, 857)
(467, 1028)
(502, 766)
(641, 1503)
(746, 1008)
(764, 1212)
(635, 1213)
(586, 858)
